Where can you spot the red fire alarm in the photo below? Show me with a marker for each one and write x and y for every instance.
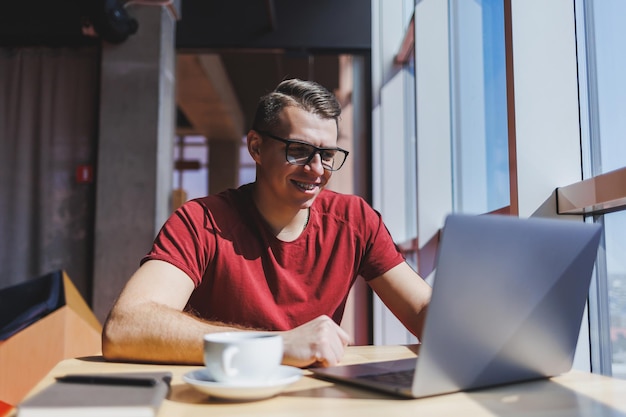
(84, 174)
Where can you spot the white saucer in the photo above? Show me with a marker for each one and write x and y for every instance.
(202, 381)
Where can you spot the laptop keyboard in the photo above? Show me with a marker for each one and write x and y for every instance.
(399, 378)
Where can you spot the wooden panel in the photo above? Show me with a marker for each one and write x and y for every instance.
(602, 194)
(205, 96)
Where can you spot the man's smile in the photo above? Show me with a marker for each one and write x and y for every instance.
(305, 185)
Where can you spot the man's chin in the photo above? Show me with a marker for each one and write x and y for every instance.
(306, 203)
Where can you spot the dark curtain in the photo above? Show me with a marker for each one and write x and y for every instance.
(48, 127)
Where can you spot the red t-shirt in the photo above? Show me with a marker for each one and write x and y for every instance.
(244, 275)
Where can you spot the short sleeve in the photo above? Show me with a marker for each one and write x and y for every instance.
(185, 241)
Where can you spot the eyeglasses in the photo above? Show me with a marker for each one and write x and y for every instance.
(302, 153)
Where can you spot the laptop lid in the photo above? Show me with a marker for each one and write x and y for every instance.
(507, 303)
(508, 300)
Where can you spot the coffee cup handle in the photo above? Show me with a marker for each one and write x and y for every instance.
(227, 358)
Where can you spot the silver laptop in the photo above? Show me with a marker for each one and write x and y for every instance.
(507, 304)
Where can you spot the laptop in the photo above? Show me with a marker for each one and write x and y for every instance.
(507, 305)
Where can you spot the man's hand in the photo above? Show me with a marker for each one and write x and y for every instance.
(319, 342)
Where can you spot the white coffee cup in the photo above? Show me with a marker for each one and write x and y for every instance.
(242, 357)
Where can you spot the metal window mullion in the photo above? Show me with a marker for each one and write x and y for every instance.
(599, 317)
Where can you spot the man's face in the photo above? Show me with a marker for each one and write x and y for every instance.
(293, 185)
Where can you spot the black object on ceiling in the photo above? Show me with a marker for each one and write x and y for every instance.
(111, 21)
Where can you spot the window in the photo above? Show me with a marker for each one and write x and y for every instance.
(191, 174)
(479, 106)
(603, 60)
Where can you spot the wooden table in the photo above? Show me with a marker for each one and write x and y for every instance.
(573, 394)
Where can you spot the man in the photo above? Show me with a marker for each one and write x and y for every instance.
(279, 254)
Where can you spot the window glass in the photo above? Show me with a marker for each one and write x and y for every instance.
(247, 166)
(609, 55)
(606, 60)
(616, 278)
(192, 174)
(479, 106)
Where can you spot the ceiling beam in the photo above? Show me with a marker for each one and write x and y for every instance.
(206, 96)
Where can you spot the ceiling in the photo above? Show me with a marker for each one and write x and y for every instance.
(217, 93)
(229, 52)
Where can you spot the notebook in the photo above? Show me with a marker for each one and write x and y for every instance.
(135, 394)
(507, 304)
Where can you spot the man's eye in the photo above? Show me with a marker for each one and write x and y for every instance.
(300, 151)
(328, 155)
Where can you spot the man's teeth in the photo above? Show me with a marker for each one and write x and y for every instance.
(305, 185)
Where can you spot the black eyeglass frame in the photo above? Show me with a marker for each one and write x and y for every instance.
(316, 150)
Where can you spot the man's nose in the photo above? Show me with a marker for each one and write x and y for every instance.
(316, 163)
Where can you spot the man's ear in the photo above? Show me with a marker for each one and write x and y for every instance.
(254, 141)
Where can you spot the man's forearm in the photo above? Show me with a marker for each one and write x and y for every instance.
(154, 333)
(150, 332)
